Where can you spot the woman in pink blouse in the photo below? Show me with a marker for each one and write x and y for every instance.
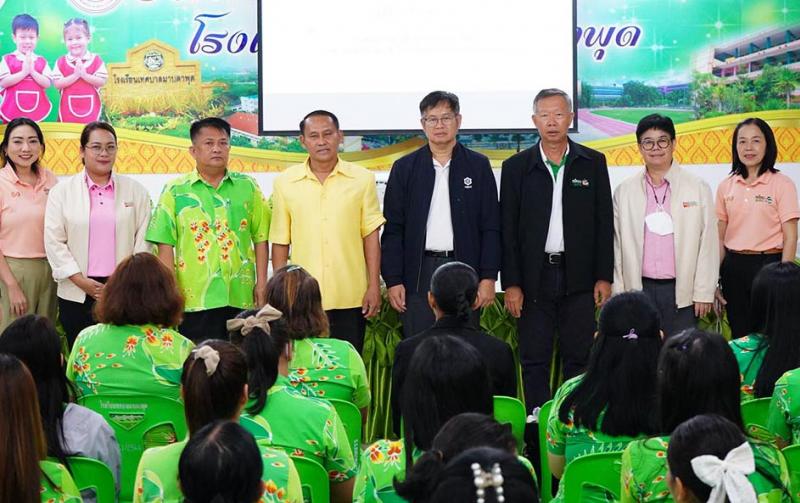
(26, 284)
(93, 220)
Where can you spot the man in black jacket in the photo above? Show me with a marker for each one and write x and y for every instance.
(558, 245)
(440, 205)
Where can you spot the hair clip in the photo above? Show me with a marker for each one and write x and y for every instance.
(632, 335)
(485, 479)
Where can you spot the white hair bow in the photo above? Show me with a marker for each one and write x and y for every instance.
(728, 476)
(210, 357)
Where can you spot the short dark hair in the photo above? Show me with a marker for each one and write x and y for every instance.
(294, 292)
(216, 396)
(697, 374)
(209, 122)
(454, 286)
(620, 379)
(141, 290)
(24, 22)
(705, 434)
(446, 376)
(94, 126)
(770, 153)
(221, 462)
(10, 127)
(432, 99)
(460, 433)
(774, 313)
(549, 93)
(655, 121)
(319, 113)
(262, 351)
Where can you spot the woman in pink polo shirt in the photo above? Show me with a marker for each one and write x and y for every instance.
(93, 220)
(758, 210)
(26, 284)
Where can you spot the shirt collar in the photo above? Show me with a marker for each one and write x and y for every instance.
(544, 157)
(90, 183)
(671, 175)
(763, 178)
(21, 57)
(437, 164)
(342, 167)
(9, 174)
(195, 177)
(86, 57)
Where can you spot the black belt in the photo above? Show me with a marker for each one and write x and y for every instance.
(440, 254)
(659, 281)
(554, 258)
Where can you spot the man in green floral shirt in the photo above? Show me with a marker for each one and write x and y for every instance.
(212, 226)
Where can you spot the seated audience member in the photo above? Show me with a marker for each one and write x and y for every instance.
(709, 460)
(298, 424)
(460, 433)
(69, 429)
(612, 403)
(214, 387)
(482, 475)
(446, 376)
(784, 409)
(697, 374)
(320, 366)
(28, 477)
(221, 463)
(453, 290)
(133, 350)
(773, 345)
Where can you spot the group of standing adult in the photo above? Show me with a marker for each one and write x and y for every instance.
(557, 236)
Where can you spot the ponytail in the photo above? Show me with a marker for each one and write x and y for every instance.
(454, 286)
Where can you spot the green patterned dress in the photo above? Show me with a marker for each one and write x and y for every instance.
(128, 360)
(307, 427)
(57, 484)
(157, 476)
(213, 231)
(784, 409)
(571, 441)
(644, 471)
(749, 351)
(329, 368)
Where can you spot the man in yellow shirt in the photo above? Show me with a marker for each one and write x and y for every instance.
(327, 210)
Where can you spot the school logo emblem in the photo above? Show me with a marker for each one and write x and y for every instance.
(153, 60)
(468, 182)
(92, 6)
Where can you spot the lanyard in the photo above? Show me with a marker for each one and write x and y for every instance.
(660, 205)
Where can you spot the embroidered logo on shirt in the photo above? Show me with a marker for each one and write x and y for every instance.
(467, 183)
(128, 204)
(763, 199)
(691, 204)
(580, 183)
(15, 194)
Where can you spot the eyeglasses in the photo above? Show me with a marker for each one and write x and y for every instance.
(446, 120)
(99, 149)
(650, 144)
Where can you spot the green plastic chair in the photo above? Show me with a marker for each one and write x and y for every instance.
(512, 411)
(602, 469)
(139, 422)
(92, 474)
(313, 480)
(792, 455)
(546, 485)
(756, 412)
(259, 431)
(351, 419)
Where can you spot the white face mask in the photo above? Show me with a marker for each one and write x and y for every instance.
(659, 222)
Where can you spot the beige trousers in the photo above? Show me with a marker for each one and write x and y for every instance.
(35, 278)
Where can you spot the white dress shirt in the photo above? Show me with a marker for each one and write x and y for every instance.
(555, 232)
(439, 236)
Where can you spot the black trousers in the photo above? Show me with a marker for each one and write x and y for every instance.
(419, 315)
(207, 324)
(553, 313)
(736, 278)
(348, 325)
(75, 316)
(673, 319)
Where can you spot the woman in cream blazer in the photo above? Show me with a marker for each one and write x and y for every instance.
(665, 232)
(93, 220)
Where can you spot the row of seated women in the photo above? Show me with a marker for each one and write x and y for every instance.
(638, 388)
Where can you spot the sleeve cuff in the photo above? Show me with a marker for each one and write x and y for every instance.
(64, 272)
